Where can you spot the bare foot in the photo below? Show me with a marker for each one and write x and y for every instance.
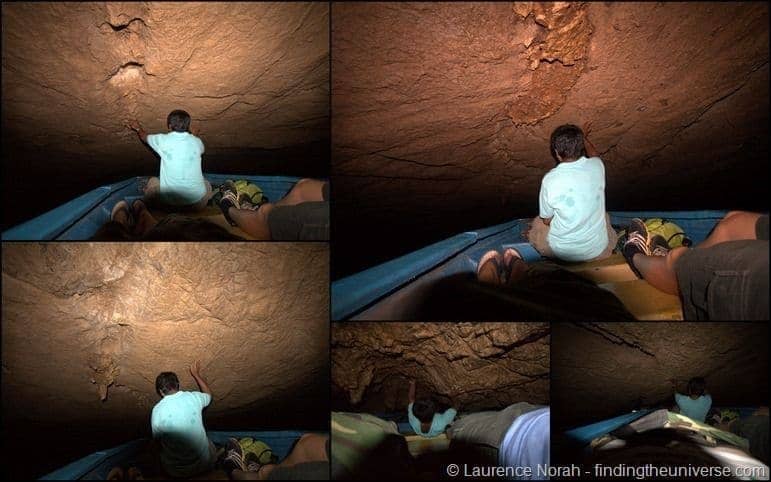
(489, 268)
(120, 213)
(514, 265)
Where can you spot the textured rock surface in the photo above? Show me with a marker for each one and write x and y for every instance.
(442, 112)
(606, 369)
(473, 366)
(83, 321)
(254, 77)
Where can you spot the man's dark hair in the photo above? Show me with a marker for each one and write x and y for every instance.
(696, 386)
(424, 410)
(568, 141)
(166, 383)
(178, 121)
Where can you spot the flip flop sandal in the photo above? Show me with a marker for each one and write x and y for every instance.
(510, 258)
(133, 473)
(115, 474)
(134, 210)
(483, 273)
(122, 204)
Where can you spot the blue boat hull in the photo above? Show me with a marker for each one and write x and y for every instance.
(360, 294)
(80, 218)
(96, 466)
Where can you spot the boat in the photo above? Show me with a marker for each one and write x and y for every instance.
(81, 218)
(96, 466)
(393, 290)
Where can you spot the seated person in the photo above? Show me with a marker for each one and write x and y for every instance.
(177, 424)
(308, 460)
(136, 223)
(424, 418)
(181, 184)
(723, 278)
(303, 214)
(696, 404)
(572, 224)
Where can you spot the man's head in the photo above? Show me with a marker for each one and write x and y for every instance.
(424, 410)
(178, 121)
(167, 383)
(567, 143)
(696, 387)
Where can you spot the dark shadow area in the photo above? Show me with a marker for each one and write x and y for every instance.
(556, 295)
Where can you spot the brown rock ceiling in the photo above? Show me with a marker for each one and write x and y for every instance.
(472, 366)
(442, 112)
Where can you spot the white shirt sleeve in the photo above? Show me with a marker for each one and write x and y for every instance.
(154, 141)
(204, 398)
(154, 425)
(544, 209)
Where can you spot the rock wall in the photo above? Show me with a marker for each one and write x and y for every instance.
(442, 112)
(472, 366)
(253, 76)
(87, 328)
(601, 370)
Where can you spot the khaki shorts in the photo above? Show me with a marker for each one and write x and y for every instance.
(152, 193)
(539, 233)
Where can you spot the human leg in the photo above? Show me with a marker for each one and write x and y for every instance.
(728, 281)
(612, 240)
(204, 201)
(118, 228)
(254, 223)
(304, 190)
(309, 448)
(735, 226)
(152, 190)
(657, 270)
(144, 220)
(537, 235)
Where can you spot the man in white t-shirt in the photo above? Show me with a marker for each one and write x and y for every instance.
(181, 184)
(572, 224)
(177, 424)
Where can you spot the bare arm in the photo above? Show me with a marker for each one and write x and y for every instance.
(137, 127)
(591, 151)
(546, 221)
(412, 391)
(195, 371)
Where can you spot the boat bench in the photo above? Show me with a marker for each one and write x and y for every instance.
(641, 299)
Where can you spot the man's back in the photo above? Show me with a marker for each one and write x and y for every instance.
(181, 177)
(573, 195)
(177, 423)
(695, 408)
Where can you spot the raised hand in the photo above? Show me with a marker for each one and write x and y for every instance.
(195, 369)
(587, 128)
